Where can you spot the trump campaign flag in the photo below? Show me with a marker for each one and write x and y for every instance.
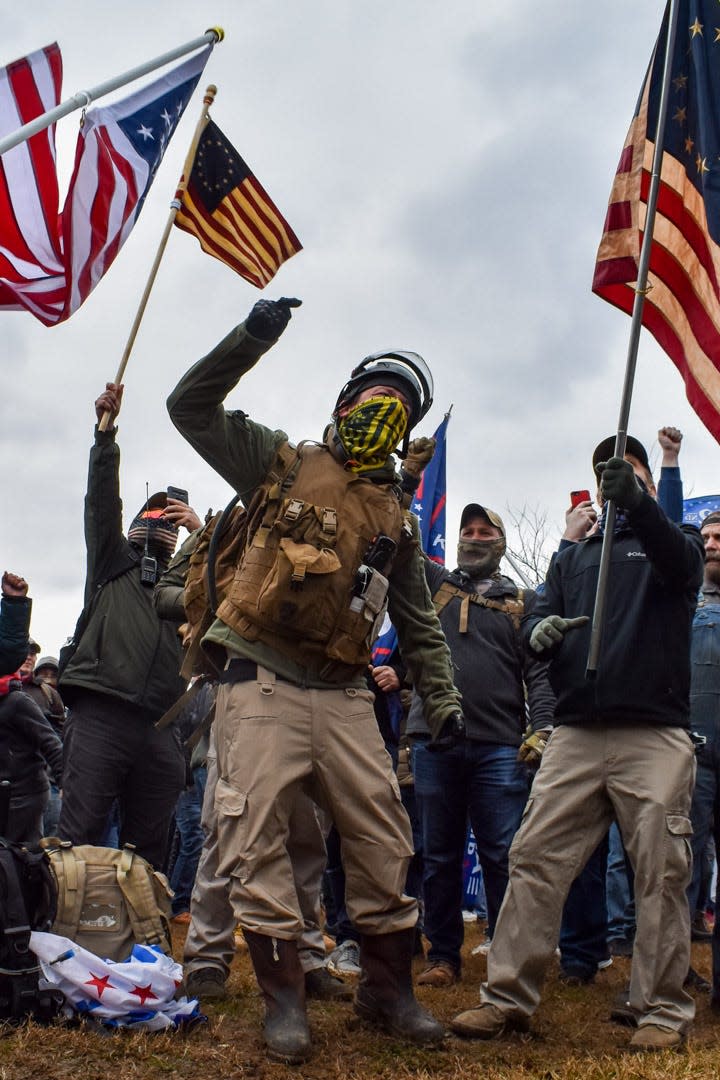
(49, 264)
(429, 506)
(682, 303)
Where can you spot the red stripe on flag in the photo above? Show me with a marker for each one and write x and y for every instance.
(619, 216)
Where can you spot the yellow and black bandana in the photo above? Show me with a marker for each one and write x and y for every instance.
(371, 431)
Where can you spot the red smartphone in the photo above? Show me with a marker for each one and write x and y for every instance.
(576, 497)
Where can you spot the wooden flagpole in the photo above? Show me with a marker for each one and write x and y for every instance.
(174, 207)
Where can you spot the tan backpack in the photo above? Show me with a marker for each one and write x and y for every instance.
(109, 900)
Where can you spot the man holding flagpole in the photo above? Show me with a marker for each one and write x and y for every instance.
(620, 749)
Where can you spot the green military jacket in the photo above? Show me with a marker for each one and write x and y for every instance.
(242, 452)
(126, 650)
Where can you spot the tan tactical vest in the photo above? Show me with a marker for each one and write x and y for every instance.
(293, 584)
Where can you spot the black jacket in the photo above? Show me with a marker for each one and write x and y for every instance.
(14, 626)
(643, 674)
(126, 651)
(490, 667)
(27, 742)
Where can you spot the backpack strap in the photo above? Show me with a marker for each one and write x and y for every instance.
(140, 885)
(514, 606)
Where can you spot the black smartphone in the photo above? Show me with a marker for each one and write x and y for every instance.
(178, 493)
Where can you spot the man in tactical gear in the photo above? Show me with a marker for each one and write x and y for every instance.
(483, 778)
(620, 749)
(328, 545)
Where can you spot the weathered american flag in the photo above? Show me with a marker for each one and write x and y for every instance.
(682, 306)
(48, 263)
(228, 210)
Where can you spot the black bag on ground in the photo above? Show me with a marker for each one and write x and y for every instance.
(27, 902)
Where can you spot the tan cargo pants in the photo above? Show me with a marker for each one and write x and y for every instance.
(211, 939)
(643, 777)
(274, 741)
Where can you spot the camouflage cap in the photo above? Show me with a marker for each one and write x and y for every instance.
(476, 510)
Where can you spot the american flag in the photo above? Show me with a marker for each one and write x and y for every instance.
(231, 214)
(50, 264)
(682, 306)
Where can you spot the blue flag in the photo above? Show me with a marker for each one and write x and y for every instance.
(429, 505)
(696, 510)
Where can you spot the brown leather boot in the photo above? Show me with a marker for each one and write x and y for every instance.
(281, 979)
(385, 995)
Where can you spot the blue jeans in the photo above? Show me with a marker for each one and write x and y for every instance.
(583, 931)
(619, 890)
(482, 782)
(187, 822)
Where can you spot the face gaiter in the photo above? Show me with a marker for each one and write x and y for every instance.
(371, 431)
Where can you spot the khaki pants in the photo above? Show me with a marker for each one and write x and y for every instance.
(644, 777)
(211, 934)
(276, 741)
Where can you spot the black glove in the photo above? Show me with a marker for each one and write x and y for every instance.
(618, 482)
(450, 734)
(268, 318)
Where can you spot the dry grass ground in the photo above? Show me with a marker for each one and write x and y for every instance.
(573, 1039)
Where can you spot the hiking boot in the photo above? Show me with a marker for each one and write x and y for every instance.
(695, 981)
(206, 984)
(322, 986)
(282, 982)
(438, 973)
(345, 959)
(699, 928)
(385, 995)
(487, 1022)
(576, 977)
(656, 1037)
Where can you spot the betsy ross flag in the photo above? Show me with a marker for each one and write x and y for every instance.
(50, 263)
(429, 506)
(231, 214)
(682, 305)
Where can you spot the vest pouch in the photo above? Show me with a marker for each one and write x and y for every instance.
(356, 630)
(295, 597)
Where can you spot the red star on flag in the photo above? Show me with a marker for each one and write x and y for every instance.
(144, 992)
(99, 983)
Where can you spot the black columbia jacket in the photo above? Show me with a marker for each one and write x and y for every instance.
(643, 674)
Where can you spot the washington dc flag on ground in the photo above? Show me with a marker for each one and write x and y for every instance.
(50, 263)
(682, 305)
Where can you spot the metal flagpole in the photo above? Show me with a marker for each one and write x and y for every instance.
(174, 207)
(83, 98)
(635, 327)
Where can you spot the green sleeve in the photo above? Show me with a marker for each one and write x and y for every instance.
(420, 636)
(240, 450)
(169, 593)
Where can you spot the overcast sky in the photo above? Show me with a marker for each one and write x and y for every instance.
(447, 168)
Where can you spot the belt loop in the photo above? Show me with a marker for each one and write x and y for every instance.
(266, 680)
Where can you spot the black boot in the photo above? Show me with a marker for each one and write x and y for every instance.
(281, 979)
(385, 995)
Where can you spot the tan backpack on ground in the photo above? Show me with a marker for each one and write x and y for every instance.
(109, 900)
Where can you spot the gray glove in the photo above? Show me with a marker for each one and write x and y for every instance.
(618, 482)
(551, 630)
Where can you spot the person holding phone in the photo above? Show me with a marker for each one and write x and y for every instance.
(120, 671)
